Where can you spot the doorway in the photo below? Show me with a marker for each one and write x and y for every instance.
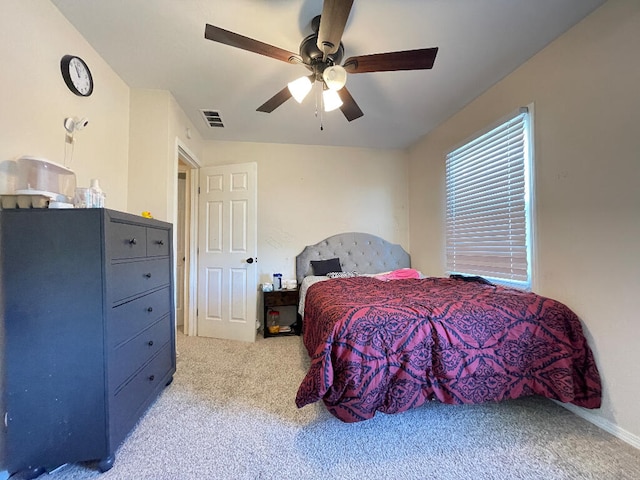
(185, 238)
(183, 230)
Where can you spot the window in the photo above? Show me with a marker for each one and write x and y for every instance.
(488, 185)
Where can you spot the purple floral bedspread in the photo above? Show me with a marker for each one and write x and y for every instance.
(391, 346)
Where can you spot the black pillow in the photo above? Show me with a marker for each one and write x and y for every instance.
(322, 267)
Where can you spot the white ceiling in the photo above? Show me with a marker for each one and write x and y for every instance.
(160, 44)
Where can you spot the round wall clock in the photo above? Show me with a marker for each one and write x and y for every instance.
(76, 75)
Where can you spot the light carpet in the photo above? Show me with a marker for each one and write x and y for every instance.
(230, 414)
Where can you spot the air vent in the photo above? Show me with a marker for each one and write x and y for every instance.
(213, 119)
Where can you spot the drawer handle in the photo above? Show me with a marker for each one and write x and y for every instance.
(148, 275)
(160, 242)
(150, 309)
(152, 378)
(150, 343)
(133, 241)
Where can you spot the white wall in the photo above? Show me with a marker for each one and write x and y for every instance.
(585, 87)
(307, 193)
(34, 99)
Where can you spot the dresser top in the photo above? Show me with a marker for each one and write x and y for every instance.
(107, 214)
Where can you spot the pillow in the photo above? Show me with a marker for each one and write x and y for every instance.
(322, 267)
(342, 274)
(399, 274)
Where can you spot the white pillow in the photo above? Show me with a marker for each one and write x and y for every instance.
(342, 274)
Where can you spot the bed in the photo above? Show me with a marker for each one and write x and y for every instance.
(381, 337)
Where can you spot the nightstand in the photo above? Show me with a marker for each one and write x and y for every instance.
(281, 298)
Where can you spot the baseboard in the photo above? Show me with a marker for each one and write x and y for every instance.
(606, 425)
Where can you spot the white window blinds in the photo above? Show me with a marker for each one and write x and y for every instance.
(487, 226)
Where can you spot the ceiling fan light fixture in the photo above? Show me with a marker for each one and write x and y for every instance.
(335, 77)
(331, 100)
(300, 88)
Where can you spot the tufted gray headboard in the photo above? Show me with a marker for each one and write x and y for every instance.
(360, 252)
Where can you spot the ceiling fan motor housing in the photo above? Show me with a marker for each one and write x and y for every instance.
(312, 56)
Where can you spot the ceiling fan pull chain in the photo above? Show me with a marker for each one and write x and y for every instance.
(319, 95)
(318, 100)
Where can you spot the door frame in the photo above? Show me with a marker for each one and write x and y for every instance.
(182, 153)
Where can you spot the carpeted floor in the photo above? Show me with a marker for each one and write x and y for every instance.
(230, 414)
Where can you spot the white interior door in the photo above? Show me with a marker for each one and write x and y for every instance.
(227, 244)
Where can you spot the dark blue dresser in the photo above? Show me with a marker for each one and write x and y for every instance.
(87, 335)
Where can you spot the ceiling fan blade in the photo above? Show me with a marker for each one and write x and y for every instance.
(226, 37)
(386, 62)
(332, 22)
(349, 106)
(275, 101)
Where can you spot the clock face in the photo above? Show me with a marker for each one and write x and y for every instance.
(77, 75)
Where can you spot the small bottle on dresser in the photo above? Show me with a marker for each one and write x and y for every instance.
(97, 195)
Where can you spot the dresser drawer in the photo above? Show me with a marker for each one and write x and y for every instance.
(126, 241)
(134, 278)
(128, 319)
(130, 356)
(129, 400)
(157, 242)
(280, 298)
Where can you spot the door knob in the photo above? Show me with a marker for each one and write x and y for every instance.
(249, 260)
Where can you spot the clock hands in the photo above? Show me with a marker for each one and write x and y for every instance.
(78, 72)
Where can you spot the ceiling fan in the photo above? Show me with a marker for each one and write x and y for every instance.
(321, 52)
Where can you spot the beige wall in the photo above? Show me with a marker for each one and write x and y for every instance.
(585, 88)
(157, 122)
(184, 133)
(148, 151)
(307, 193)
(34, 99)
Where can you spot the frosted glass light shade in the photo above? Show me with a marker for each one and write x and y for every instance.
(335, 77)
(331, 100)
(300, 88)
